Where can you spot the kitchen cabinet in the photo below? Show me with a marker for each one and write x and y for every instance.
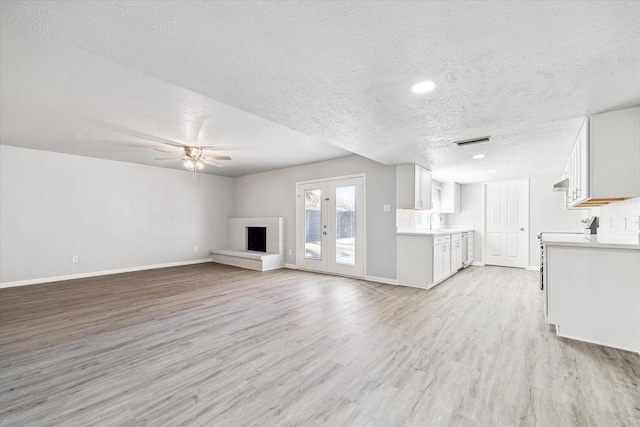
(604, 164)
(456, 252)
(413, 187)
(441, 258)
(450, 202)
(592, 293)
(576, 170)
(425, 259)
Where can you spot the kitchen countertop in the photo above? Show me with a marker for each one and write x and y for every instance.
(408, 231)
(591, 241)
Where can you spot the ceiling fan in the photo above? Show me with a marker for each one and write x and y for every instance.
(194, 157)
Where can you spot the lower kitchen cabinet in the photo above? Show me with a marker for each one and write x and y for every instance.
(456, 252)
(424, 260)
(593, 294)
(441, 261)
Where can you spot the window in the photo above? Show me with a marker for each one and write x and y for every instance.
(423, 218)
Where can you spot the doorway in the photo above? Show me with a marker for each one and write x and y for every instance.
(330, 225)
(507, 223)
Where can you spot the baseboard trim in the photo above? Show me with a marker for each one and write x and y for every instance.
(381, 280)
(291, 266)
(533, 268)
(571, 337)
(99, 273)
(478, 264)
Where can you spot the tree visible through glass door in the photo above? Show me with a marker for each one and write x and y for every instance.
(346, 225)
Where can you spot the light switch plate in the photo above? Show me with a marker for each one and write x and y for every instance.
(386, 208)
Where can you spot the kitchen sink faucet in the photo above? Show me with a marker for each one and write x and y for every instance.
(431, 219)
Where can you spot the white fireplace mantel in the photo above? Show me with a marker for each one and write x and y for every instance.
(237, 254)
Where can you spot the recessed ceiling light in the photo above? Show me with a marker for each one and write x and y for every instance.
(423, 87)
(478, 156)
(493, 171)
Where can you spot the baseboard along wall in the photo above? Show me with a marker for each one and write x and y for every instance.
(99, 273)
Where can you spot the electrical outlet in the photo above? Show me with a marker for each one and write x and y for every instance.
(195, 249)
(74, 259)
(386, 208)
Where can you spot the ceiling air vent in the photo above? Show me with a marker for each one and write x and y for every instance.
(472, 141)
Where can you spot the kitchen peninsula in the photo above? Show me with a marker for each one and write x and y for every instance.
(592, 288)
(428, 257)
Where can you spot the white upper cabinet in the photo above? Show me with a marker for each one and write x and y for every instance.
(577, 168)
(604, 165)
(413, 187)
(450, 197)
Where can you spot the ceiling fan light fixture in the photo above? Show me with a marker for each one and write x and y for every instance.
(200, 165)
(188, 164)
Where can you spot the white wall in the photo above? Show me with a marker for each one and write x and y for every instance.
(112, 215)
(274, 194)
(545, 214)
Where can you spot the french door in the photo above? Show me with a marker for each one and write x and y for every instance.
(330, 226)
(507, 223)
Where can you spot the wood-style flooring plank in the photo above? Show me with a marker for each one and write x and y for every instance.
(216, 345)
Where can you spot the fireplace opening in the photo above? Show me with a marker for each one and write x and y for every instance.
(257, 239)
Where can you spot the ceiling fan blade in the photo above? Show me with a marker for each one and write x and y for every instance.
(166, 158)
(163, 151)
(139, 134)
(167, 142)
(209, 162)
(209, 147)
(216, 158)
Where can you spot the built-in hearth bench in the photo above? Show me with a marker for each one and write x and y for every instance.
(238, 253)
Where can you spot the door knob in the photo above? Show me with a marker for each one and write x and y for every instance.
(324, 232)
(521, 228)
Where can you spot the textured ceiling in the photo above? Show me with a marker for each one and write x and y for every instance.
(525, 73)
(59, 98)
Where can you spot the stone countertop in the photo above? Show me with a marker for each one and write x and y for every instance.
(408, 231)
(590, 241)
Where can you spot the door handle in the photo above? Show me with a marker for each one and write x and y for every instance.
(521, 228)
(324, 233)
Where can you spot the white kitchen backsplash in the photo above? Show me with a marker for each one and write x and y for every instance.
(619, 218)
(418, 219)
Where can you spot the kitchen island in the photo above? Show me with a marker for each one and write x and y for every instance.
(592, 288)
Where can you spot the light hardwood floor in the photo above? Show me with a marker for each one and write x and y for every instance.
(213, 345)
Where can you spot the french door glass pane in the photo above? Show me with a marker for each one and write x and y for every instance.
(313, 224)
(346, 225)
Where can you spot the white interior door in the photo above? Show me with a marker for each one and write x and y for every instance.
(330, 231)
(507, 223)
